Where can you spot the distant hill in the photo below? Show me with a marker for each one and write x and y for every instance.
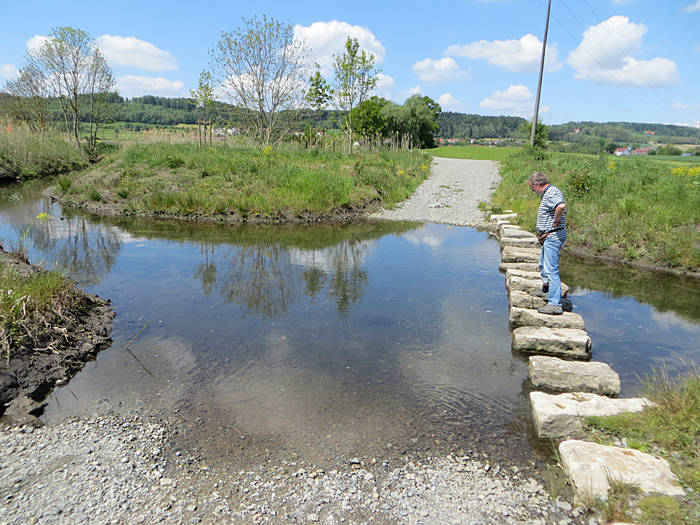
(463, 126)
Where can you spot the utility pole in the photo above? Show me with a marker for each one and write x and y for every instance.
(539, 83)
(696, 137)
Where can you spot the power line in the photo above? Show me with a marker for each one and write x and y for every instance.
(610, 73)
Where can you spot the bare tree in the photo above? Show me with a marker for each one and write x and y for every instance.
(76, 73)
(262, 69)
(27, 99)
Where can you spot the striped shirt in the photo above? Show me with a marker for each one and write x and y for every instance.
(551, 198)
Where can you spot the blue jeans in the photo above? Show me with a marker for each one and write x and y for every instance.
(549, 267)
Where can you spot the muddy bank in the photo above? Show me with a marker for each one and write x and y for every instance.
(29, 375)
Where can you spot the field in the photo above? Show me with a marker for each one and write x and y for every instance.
(633, 209)
(472, 152)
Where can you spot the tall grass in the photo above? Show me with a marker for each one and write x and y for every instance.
(670, 427)
(624, 208)
(165, 179)
(26, 155)
(34, 309)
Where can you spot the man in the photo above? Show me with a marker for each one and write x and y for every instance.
(551, 234)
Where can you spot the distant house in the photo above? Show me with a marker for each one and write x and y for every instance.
(642, 151)
(453, 141)
(442, 141)
(650, 133)
(621, 151)
(576, 130)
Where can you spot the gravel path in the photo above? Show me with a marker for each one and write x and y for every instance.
(128, 469)
(451, 195)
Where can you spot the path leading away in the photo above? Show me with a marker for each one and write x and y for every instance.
(450, 195)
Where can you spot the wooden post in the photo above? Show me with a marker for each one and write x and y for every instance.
(199, 132)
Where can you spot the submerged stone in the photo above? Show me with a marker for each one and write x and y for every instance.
(551, 373)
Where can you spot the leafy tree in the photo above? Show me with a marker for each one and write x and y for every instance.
(203, 97)
(74, 71)
(320, 93)
(355, 77)
(368, 117)
(417, 118)
(262, 69)
(541, 133)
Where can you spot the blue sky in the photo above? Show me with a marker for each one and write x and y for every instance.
(608, 60)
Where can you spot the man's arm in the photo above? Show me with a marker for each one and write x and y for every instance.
(558, 213)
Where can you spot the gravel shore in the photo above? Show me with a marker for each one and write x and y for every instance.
(451, 195)
(123, 469)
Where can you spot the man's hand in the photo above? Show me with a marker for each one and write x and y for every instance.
(542, 237)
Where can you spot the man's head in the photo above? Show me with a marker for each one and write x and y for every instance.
(538, 182)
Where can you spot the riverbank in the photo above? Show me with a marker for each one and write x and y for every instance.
(50, 329)
(220, 184)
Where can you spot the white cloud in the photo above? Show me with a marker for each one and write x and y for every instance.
(9, 72)
(132, 52)
(604, 60)
(417, 90)
(384, 86)
(522, 55)
(442, 70)
(681, 105)
(34, 43)
(134, 86)
(449, 103)
(516, 100)
(328, 38)
(694, 7)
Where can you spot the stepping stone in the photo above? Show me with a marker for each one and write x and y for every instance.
(504, 267)
(564, 342)
(525, 300)
(502, 217)
(525, 274)
(511, 231)
(519, 242)
(516, 255)
(561, 415)
(525, 317)
(590, 466)
(520, 284)
(551, 373)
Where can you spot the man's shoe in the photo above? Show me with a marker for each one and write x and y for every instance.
(551, 309)
(541, 294)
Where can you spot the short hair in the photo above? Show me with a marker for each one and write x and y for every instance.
(539, 178)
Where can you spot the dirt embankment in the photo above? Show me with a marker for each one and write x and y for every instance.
(28, 375)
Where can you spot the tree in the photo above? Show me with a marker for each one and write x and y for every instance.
(541, 133)
(319, 95)
(75, 72)
(355, 77)
(27, 99)
(203, 97)
(262, 69)
(417, 118)
(368, 117)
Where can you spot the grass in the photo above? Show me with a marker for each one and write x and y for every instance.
(180, 180)
(35, 309)
(28, 155)
(671, 428)
(472, 152)
(625, 208)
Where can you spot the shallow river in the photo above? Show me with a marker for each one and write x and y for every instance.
(324, 342)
